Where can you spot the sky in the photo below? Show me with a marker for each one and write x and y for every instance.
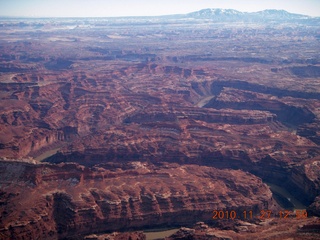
(115, 8)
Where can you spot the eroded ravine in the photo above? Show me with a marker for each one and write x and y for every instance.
(152, 126)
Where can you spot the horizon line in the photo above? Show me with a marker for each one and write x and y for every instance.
(163, 15)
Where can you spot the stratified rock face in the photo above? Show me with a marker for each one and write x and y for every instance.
(54, 90)
(118, 236)
(43, 201)
(314, 208)
(102, 93)
(289, 228)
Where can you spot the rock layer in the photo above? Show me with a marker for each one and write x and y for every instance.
(152, 90)
(71, 200)
(306, 229)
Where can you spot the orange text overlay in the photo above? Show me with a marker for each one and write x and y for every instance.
(264, 214)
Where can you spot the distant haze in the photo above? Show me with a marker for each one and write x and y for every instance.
(113, 8)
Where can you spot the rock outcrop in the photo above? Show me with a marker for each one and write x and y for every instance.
(275, 228)
(119, 109)
(50, 201)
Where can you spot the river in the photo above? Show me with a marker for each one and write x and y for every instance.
(285, 194)
(47, 154)
(160, 234)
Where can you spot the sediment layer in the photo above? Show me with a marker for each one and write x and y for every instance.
(71, 200)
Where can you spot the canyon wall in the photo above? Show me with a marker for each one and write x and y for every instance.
(71, 200)
(140, 121)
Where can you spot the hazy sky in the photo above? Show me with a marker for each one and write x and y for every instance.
(110, 8)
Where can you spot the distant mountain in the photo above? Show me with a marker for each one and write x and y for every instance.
(278, 14)
(215, 12)
(231, 14)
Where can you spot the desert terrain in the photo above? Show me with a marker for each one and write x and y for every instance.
(129, 124)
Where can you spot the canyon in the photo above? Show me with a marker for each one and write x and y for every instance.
(123, 124)
(67, 199)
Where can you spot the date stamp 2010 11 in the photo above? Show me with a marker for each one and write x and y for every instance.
(264, 214)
